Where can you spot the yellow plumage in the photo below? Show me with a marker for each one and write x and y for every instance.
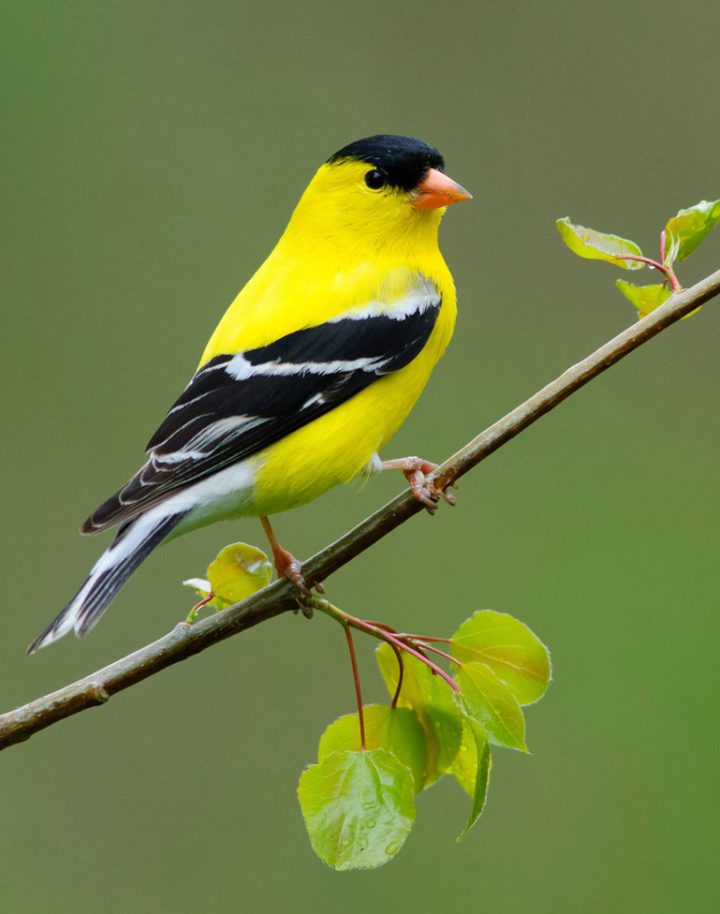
(362, 249)
(309, 373)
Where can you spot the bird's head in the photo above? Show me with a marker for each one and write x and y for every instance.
(380, 190)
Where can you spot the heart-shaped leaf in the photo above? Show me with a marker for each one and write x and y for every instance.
(492, 703)
(238, 571)
(358, 807)
(512, 651)
(395, 729)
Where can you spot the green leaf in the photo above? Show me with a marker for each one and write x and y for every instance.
(684, 232)
(492, 703)
(586, 242)
(358, 808)
(512, 651)
(432, 701)
(464, 767)
(478, 747)
(645, 298)
(397, 730)
(238, 571)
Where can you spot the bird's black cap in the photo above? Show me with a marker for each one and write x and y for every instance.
(404, 159)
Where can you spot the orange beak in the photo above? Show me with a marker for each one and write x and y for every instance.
(436, 190)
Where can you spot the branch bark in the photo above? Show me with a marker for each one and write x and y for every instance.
(186, 640)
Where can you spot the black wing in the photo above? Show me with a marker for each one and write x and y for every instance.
(237, 405)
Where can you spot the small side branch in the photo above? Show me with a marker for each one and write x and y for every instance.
(186, 640)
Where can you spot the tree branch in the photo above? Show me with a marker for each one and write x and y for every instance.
(185, 640)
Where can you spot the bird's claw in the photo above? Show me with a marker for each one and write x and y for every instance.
(292, 570)
(287, 566)
(423, 487)
(305, 606)
(304, 596)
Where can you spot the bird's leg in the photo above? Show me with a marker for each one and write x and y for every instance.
(417, 472)
(287, 566)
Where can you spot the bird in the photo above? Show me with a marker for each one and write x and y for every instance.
(312, 369)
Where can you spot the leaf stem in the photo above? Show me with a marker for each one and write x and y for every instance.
(382, 634)
(383, 625)
(665, 269)
(436, 650)
(192, 615)
(356, 679)
(401, 674)
(418, 655)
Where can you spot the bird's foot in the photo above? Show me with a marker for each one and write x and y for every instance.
(417, 472)
(287, 566)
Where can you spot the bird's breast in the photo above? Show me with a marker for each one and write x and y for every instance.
(338, 446)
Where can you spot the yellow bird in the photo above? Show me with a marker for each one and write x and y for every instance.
(313, 368)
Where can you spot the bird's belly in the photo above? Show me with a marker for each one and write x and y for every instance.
(338, 446)
(226, 494)
(306, 463)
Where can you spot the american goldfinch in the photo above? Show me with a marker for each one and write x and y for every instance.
(311, 371)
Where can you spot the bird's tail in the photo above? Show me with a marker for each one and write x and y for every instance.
(134, 541)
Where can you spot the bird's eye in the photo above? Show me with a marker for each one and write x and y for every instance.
(376, 179)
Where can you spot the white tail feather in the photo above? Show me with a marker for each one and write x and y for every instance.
(133, 543)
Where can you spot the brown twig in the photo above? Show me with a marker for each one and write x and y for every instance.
(186, 640)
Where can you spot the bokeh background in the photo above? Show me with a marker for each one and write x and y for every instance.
(152, 152)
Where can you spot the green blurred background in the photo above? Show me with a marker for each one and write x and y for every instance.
(152, 154)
